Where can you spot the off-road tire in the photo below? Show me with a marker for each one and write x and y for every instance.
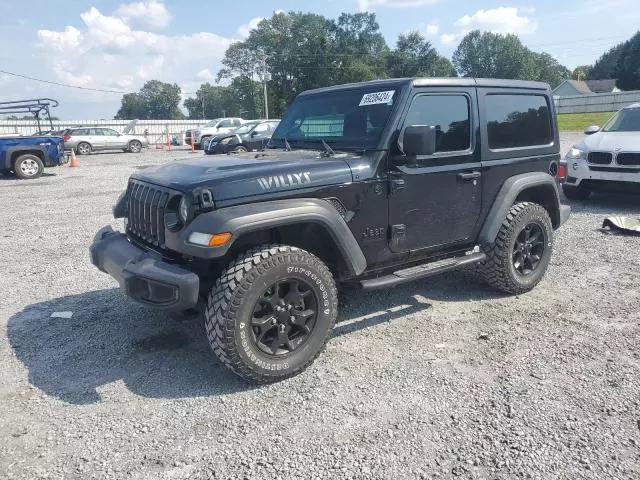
(498, 270)
(232, 299)
(85, 149)
(135, 146)
(203, 142)
(28, 167)
(575, 193)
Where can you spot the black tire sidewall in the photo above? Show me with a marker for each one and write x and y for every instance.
(78, 148)
(531, 215)
(18, 172)
(254, 286)
(135, 142)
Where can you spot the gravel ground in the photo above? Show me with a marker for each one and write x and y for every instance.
(436, 379)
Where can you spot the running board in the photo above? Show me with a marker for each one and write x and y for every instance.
(422, 271)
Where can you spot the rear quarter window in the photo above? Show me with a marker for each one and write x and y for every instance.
(518, 120)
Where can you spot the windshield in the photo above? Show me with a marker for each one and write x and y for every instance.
(246, 128)
(627, 120)
(344, 118)
(212, 123)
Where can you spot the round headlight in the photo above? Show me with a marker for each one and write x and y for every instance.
(183, 210)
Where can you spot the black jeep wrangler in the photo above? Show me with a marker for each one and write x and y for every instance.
(377, 183)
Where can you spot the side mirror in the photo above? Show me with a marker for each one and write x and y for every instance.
(418, 140)
(254, 133)
(592, 129)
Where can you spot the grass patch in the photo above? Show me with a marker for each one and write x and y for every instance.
(577, 122)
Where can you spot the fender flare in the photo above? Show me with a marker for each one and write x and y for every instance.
(242, 219)
(24, 148)
(507, 196)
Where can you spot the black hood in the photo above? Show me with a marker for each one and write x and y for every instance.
(242, 175)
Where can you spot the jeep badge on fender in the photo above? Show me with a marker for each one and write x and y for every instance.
(376, 184)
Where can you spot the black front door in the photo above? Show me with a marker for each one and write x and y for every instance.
(259, 136)
(435, 200)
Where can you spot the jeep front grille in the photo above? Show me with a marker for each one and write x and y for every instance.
(628, 159)
(147, 206)
(600, 158)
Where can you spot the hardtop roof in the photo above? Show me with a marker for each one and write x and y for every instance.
(437, 82)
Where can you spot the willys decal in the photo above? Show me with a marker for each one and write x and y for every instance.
(284, 181)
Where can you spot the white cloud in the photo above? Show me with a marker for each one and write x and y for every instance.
(497, 20)
(151, 13)
(430, 29)
(245, 30)
(368, 5)
(107, 52)
(205, 75)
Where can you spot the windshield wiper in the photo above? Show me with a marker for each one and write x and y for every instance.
(328, 151)
(287, 146)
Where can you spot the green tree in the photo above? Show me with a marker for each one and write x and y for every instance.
(607, 65)
(240, 99)
(491, 55)
(581, 72)
(628, 69)
(156, 100)
(549, 70)
(415, 57)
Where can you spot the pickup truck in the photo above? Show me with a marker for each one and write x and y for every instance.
(26, 157)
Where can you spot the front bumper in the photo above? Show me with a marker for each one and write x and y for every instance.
(143, 276)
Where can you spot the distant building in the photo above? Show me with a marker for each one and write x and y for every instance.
(571, 88)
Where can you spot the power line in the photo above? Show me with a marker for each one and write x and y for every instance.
(60, 84)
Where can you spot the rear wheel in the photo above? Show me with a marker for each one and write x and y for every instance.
(575, 193)
(28, 167)
(83, 148)
(520, 255)
(271, 312)
(240, 149)
(135, 146)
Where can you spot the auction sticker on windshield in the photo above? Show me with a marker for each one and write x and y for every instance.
(377, 98)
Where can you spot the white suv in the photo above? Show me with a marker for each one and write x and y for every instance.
(214, 127)
(607, 159)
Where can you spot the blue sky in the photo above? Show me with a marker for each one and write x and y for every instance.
(118, 45)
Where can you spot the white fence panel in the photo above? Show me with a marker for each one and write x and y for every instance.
(597, 102)
(156, 128)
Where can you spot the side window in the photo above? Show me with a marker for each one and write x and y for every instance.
(95, 131)
(449, 114)
(109, 132)
(236, 122)
(226, 124)
(517, 121)
(83, 132)
(261, 128)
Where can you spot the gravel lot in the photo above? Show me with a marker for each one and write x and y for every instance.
(436, 379)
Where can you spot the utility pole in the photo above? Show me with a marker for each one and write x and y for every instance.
(202, 94)
(264, 84)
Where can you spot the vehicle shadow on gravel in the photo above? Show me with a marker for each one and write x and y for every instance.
(606, 204)
(110, 339)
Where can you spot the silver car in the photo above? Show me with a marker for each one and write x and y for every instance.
(85, 140)
(607, 159)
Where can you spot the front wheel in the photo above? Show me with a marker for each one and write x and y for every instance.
(271, 312)
(135, 146)
(520, 254)
(83, 148)
(28, 167)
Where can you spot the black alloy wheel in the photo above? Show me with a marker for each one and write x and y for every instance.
(528, 249)
(284, 317)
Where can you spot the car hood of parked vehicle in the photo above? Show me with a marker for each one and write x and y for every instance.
(243, 175)
(611, 142)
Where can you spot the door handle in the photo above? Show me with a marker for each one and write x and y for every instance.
(469, 176)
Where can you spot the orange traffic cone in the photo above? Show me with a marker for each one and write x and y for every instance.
(74, 160)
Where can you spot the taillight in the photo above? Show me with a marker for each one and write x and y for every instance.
(66, 138)
(562, 172)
